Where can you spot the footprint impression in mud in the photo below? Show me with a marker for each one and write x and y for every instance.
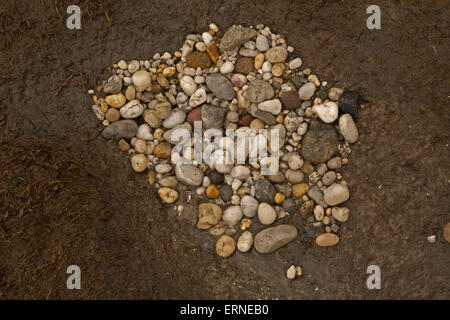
(236, 118)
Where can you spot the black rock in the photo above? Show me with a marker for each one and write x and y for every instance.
(314, 229)
(290, 206)
(216, 178)
(226, 192)
(264, 191)
(320, 143)
(348, 103)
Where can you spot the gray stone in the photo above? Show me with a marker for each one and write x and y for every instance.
(341, 214)
(307, 91)
(271, 239)
(168, 134)
(226, 192)
(249, 206)
(122, 129)
(262, 44)
(317, 195)
(212, 116)
(348, 128)
(114, 85)
(259, 91)
(189, 174)
(336, 194)
(220, 86)
(264, 191)
(320, 143)
(329, 177)
(290, 206)
(236, 36)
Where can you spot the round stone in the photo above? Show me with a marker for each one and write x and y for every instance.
(189, 174)
(266, 214)
(249, 206)
(276, 54)
(245, 241)
(125, 129)
(232, 215)
(141, 80)
(348, 128)
(116, 100)
(306, 91)
(196, 59)
(225, 246)
(209, 214)
(320, 143)
(271, 239)
(336, 194)
(139, 162)
(112, 115)
(168, 195)
(259, 91)
(299, 189)
(341, 214)
(212, 191)
(162, 150)
(244, 65)
(327, 239)
(264, 191)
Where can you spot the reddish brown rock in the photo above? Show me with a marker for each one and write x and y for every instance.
(244, 65)
(194, 115)
(213, 51)
(327, 239)
(245, 120)
(290, 99)
(197, 59)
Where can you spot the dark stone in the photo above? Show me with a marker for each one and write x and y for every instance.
(245, 120)
(226, 192)
(197, 59)
(307, 208)
(320, 143)
(348, 103)
(290, 99)
(212, 116)
(267, 117)
(244, 65)
(220, 86)
(322, 94)
(289, 206)
(264, 191)
(313, 230)
(122, 129)
(236, 36)
(216, 177)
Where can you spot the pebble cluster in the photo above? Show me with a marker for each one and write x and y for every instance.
(241, 78)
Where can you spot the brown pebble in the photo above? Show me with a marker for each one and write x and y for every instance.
(212, 192)
(162, 150)
(124, 145)
(447, 232)
(327, 239)
(245, 120)
(225, 246)
(112, 115)
(194, 115)
(244, 65)
(197, 59)
(213, 51)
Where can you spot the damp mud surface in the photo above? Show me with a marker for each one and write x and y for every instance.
(69, 197)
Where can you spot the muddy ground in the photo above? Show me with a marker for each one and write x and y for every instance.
(67, 196)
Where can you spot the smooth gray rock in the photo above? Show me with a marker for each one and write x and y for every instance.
(259, 91)
(189, 174)
(336, 194)
(122, 129)
(212, 116)
(271, 239)
(220, 86)
(264, 191)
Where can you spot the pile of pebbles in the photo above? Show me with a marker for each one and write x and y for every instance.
(241, 78)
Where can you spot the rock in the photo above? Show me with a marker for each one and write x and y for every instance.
(151, 118)
(327, 112)
(189, 174)
(335, 93)
(327, 239)
(220, 86)
(122, 129)
(447, 232)
(188, 85)
(168, 195)
(232, 215)
(306, 208)
(240, 172)
(348, 128)
(227, 67)
(295, 63)
(163, 110)
(194, 115)
(259, 60)
(348, 103)
(144, 132)
(132, 109)
(329, 177)
(170, 181)
(209, 214)
(336, 194)
(139, 162)
(226, 192)
(213, 51)
(216, 178)
(295, 162)
(294, 176)
(245, 241)
(320, 142)
(259, 91)
(244, 65)
(212, 116)
(124, 145)
(278, 177)
(266, 117)
(112, 115)
(299, 189)
(116, 100)
(266, 214)
(225, 246)
(272, 106)
(236, 36)
(162, 150)
(176, 117)
(249, 206)
(198, 59)
(289, 206)
(290, 273)
(341, 214)
(276, 54)
(174, 139)
(278, 69)
(271, 239)
(212, 191)
(319, 212)
(141, 80)
(163, 168)
(245, 120)
(334, 163)
(198, 97)
(290, 99)
(264, 191)
(114, 85)
(238, 80)
(315, 194)
(262, 44)
(306, 91)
